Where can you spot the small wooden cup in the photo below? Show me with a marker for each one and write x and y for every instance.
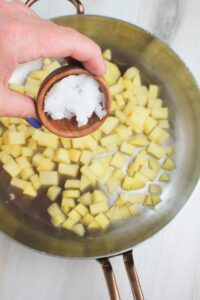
(69, 128)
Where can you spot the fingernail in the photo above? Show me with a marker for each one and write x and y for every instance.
(34, 122)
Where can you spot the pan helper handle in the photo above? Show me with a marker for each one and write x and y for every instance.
(79, 6)
(132, 276)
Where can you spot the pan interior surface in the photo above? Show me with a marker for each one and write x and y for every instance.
(158, 64)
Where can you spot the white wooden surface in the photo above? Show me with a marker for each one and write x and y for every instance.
(169, 263)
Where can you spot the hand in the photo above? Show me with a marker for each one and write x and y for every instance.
(24, 36)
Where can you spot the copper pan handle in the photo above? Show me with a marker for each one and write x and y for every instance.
(132, 276)
(110, 278)
(79, 6)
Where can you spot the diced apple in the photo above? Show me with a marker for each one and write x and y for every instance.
(118, 174)
(45, 164)
(81, 209)
(97, 135)
(49, 153)
(153, 92)
(86, 198)
(98, 208)
(125, 133)
(70, 170)
(118, 161)
(148, 201)
(93, 226)
(141, 177)
(85, 183)
(155, 189)
(29, 190)
(45, 139)
(110, 139)
(139, 161)
(107, 54)
(130, 183)
(133, 199)
(72, 184)
(117, 88)
(139, 141)
(148, 173)
(113, 184)
(160, 113)
(66, 143)
(32, 144)
(99, 196)
(85, 170)
(109, 125)
(158, 135)
(165, 177)
(62, 156)
(86, 157)
(105, 176)
(68, 224)
(97, 168)
(12, 168)
(79, 229)
(120, 100)
(155, 199)
(156, 150)
(14, 138)
(49, 177)
(169, 151)
(126, 148)
(154, 164)
(114, 214)
(133, 209)
(4, 157)
(74, 215)
(26, 152)
(68, 202)
(35, 180)
(71, 194)
(16, 88)
(102, 220)
(74, 155)
(26, 173)
(54, 210)
(149, 125)
(112, 73)
(169, 164)
(87, 219)
(58, 220)
(18, 183)
(164, 124)
(125, 212)
(120, 115)
(53, 192)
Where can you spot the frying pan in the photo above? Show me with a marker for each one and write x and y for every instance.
(158, 64)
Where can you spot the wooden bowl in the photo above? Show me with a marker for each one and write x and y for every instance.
(64, 127)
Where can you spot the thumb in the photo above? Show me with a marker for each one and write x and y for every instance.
(13, 104)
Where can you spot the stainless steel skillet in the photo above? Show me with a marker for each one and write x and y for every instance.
(159, 64)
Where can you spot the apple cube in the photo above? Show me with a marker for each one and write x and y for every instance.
(49, 177)
(62, 156)
(130, 183)
(70, 170)
(86, 198)
(109, 125)
(53, 192)
(118, 161)
(102, 220)
(156, 150)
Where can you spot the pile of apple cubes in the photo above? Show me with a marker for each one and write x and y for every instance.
(126, 153)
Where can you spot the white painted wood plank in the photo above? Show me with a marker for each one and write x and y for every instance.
(169, 263)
